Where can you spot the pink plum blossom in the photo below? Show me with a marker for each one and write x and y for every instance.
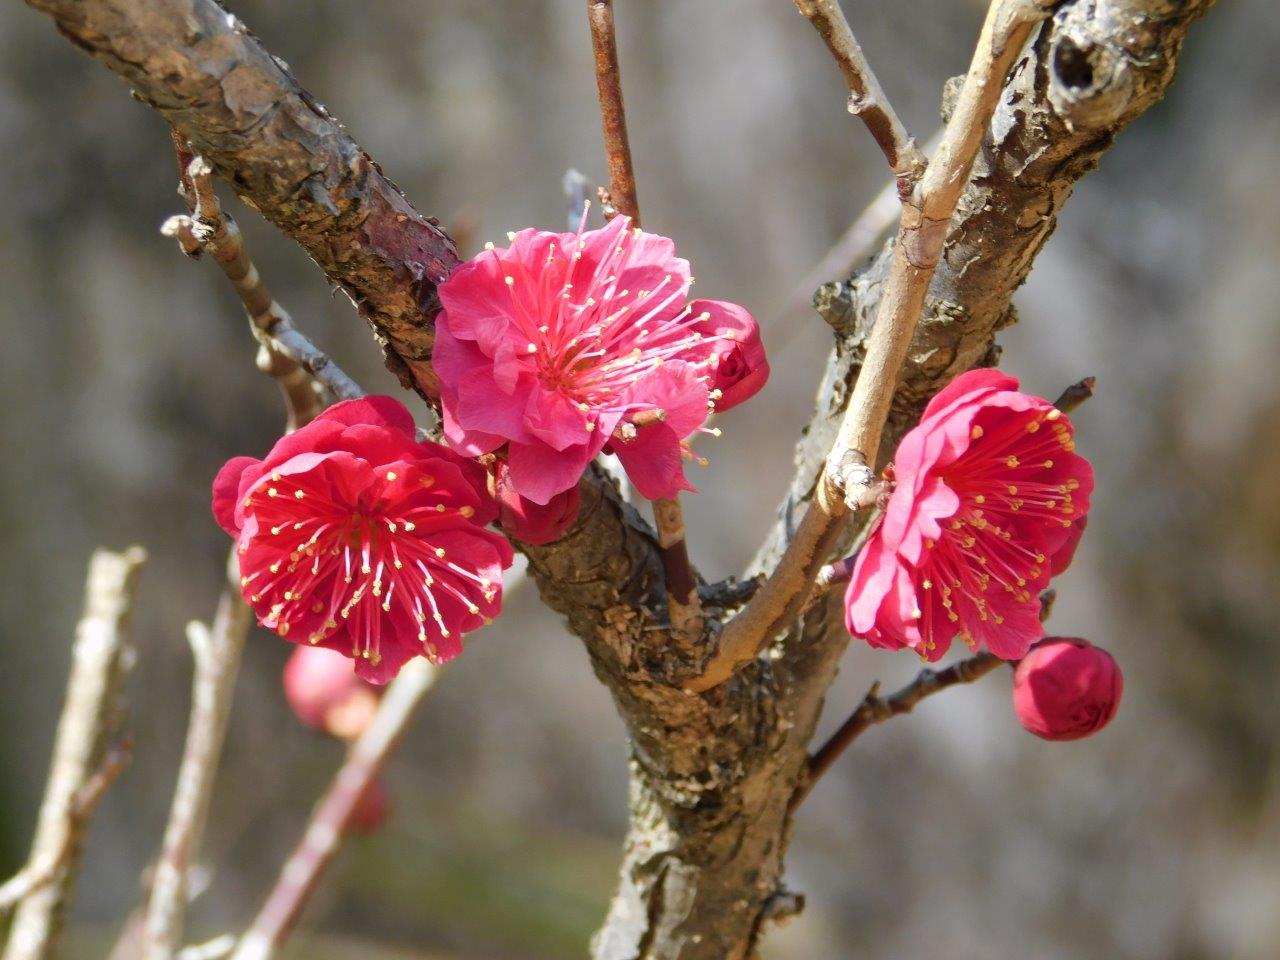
(352, 535)
(562, 343)
(989, 502)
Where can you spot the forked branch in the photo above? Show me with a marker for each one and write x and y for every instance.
(921, 233)
(866, 98)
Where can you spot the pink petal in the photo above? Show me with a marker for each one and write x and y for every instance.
(226, 492)
(654, 463)
(375, 410)
(539, 472)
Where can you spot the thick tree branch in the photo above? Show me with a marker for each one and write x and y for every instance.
(91, 719)
(711, 783)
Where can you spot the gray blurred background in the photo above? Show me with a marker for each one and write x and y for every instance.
(126, 378)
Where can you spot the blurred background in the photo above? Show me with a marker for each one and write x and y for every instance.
(126, 379)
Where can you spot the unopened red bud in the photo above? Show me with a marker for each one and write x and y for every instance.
(324, 692)
(372, 809)
(1065, 688)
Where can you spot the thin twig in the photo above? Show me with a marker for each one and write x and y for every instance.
(876, 709)
(866, 99)
(91, 718)
(684, 609)
(217, 654)
(36, 875)
(287, 354)
(613, 116)
(328, 823)
(919, 246)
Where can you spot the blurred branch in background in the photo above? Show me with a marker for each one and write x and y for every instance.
(90, 727)
(217, 654)
(328, 825)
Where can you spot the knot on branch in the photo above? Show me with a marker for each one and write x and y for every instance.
(1097, 60)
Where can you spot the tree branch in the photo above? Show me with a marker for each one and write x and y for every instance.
(286, 354)
(217, 653)
(91, 719)
(876, 709)
(710, 795)
(918, 248)
(327, 826)
(683, 607)
(241, 109)
(866, 99)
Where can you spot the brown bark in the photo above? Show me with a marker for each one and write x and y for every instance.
(712, 774)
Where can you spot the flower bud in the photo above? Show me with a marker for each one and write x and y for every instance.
(372, 809)
(739, 365)
(1065, 688)
(529, 521)
(325, 693)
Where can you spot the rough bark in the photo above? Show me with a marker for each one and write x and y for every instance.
(712, 774)
(686, 889)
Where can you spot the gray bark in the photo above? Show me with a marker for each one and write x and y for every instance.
(712, 775)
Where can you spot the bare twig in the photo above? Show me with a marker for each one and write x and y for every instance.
(866, 99)
(36, 875)
(325, 830)
(217, 653)
(286, 354)
(683, 606)
(919, 245)
(613, 116)
(876, 709)
(90, 723)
